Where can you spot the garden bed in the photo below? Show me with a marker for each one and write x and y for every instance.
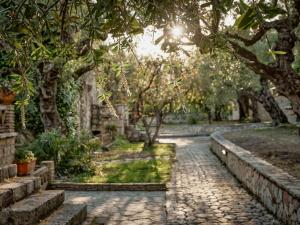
(279, 146)
(130, 163)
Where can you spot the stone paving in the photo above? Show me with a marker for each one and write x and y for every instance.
(202, 191)
(122, 207)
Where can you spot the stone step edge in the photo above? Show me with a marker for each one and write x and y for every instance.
(32, 209)
(70, 186)
(67, 214)
(18, 189)
(7, 172)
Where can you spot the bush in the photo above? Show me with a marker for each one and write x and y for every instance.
(71, 154)
(192, 120)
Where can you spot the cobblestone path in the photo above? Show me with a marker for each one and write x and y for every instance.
(122, 207)
(202, 191)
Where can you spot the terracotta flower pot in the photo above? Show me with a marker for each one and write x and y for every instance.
(25, 168)
(7, 97)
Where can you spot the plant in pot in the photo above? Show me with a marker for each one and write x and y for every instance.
(25, 161)
(7, 95)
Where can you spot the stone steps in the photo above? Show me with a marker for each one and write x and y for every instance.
(7, 171)
(67, 214)
(16, 189)
(32, 209)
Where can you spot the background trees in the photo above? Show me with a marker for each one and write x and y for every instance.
(207, 26)
(41, 40)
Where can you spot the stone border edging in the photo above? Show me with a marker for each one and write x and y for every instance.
(69, 186)
(206, 130)
(183, 135)
(276, 189)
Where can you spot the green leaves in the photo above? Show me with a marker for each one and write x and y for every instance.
(247, 19)
(274, 53)
(254, 14)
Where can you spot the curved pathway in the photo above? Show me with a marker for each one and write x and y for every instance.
(202, 191)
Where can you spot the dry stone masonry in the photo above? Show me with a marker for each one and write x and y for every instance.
(7, 139)
(276, 189)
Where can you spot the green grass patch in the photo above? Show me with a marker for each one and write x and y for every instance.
(138, 171)
(128, 150)
(157, 169)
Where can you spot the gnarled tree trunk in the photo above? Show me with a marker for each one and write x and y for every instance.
(266, 98)
(48, 90)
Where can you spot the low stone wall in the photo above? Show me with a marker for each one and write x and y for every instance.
(46, 172)
(7, 148)
(211, 128)
(276, 189)
(108, 187)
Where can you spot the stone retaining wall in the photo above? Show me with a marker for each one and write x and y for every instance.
(7, 148)
(45, 172)
(276, 189)
(7, 119)
(108, 187)
(211, 128)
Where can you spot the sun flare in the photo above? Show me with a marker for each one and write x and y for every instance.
(177, 31)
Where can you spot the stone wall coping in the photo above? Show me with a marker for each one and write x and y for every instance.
(272, 173)
(70, 186)
(8, 135)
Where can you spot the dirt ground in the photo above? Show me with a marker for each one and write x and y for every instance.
(279, 146)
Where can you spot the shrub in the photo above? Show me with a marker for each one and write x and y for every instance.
(192, 120)
(71, 153)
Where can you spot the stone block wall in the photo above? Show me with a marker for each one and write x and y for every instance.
(7, 148)
(101, 117)
(276, 189)
(88, 97)
(7, 119)
(7, 142)
(123, 118)
(45, 172)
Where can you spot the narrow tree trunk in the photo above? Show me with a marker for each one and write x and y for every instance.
(218, 113)
(151, 137)
(271, 106)
(254, 109)
(48, 90)
(243, 102)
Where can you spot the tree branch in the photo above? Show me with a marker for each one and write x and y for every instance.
(278, 24)
(250, 59)
(82, 70)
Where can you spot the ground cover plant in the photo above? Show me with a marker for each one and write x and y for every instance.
(71, 153)
(279, 146)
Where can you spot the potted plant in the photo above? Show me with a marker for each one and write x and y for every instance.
(25, 161)
(7, 95)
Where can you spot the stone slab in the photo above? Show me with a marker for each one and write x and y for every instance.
(18, 188)
(32, 209)
(67, 214)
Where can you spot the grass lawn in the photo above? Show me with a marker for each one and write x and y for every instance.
(279, 146)
(152, 165)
